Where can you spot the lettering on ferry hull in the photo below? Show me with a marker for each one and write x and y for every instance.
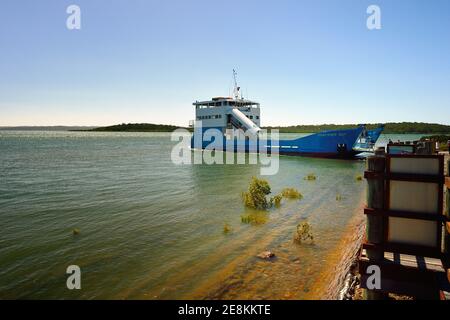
(212, 147)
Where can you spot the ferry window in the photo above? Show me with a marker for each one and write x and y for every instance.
(257, 117)
(251, 117)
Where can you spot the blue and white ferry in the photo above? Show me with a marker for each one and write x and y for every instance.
(223, 114)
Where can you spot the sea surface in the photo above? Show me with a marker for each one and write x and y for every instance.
(151, 229)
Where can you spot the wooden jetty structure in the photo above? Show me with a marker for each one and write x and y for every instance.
(407, 243)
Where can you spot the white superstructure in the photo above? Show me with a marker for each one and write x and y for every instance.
(229, 112)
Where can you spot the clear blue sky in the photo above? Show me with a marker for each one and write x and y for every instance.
(306, 62)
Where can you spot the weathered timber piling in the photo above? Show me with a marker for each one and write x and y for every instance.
(447, 212)
(375, 224)
(375, 200)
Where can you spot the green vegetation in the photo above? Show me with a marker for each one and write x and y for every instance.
(443, 146)
(75, 232)
(359, 178)
(226, 228)
(137, 127)
(391, 127)
(338, 197)
(310, 177)
(303, 233)
(255, 218)
(255, 197)
(291, 193)
(276, 200)
(442, 139)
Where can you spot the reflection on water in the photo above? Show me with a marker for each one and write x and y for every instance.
(152, 230)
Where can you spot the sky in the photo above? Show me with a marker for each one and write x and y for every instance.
(305, 61)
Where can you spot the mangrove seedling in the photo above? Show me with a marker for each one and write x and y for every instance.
(254, 218)
(226, 228)
(303, 233)
(291, 193)
(255, 197)
(310, 177)
(276, 200)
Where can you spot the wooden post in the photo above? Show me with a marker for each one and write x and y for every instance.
(375, 200)
(375, 224)
(447, 213)
(447, 191)
(448, 167)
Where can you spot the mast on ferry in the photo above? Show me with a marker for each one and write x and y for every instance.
(236, 89)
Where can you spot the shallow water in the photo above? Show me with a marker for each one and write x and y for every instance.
(150, 229)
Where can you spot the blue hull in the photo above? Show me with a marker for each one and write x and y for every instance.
(326, 144)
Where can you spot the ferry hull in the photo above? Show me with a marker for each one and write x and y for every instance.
(329, 155)
(326, 144)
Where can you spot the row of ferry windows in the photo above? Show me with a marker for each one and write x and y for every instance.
(219, 116)
(225, 103)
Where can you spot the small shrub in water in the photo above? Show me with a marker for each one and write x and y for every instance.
(310, 177)
(226, 228)
(276, 200)
(359, 178)
(255, 197)
(254, 218)
(338, 197)
(75, 232)
(303, 233)
(291, 193)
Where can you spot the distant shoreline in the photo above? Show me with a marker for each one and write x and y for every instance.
(390, 128)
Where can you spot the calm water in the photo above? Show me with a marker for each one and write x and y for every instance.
(154, 230)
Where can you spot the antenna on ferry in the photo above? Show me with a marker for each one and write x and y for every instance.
(236, 88)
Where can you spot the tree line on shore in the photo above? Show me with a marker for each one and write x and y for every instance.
(391, 127)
